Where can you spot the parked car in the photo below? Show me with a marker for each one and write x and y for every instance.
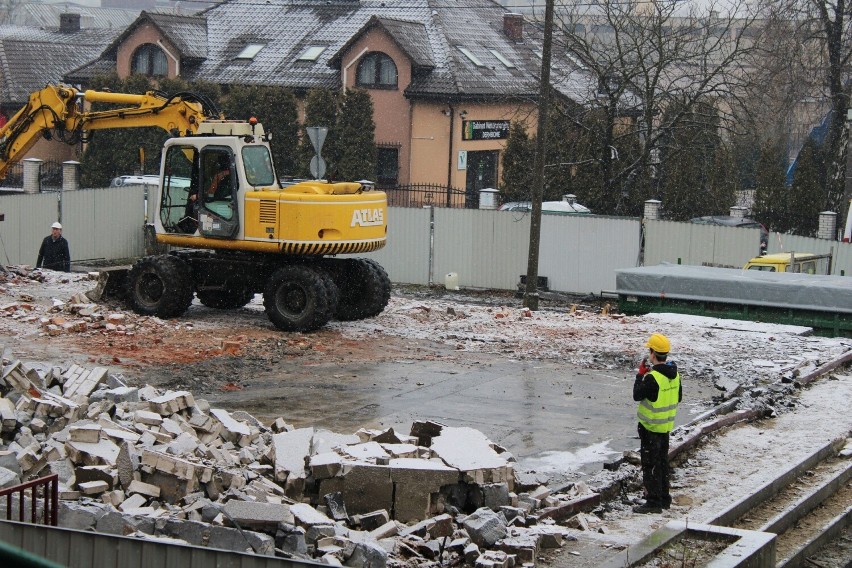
(568, 206)
(729, 221)
(121, 181)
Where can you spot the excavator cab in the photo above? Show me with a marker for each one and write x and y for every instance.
(200, 191)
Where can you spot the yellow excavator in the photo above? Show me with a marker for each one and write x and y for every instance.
(235, 229)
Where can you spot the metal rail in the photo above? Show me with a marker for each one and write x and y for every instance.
(50, 494)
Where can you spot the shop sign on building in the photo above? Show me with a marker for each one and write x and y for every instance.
(485, 129)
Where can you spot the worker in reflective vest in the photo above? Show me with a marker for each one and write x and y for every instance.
(658, 391)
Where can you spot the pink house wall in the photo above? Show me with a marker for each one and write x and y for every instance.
(391, 110)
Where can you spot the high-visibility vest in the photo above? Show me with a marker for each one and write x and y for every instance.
(659, 416)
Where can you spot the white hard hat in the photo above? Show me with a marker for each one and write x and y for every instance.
(56, 225)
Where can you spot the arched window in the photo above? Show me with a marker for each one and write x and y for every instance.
(377, 71)
(150, 60)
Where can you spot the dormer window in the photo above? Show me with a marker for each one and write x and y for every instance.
(377, 71)
(250, 50)
(473, 59)
(149, 60)
(311, 53)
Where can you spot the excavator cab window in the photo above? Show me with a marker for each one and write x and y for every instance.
(217, 215)
(258, 166)
(180, 180)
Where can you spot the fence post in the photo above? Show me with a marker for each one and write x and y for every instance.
(652, 209)
(827, 225)
(431, 245)
(32, 175)
(488, 198)
(70, 175)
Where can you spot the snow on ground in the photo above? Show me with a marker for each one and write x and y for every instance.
(704, 348)
(720, 472)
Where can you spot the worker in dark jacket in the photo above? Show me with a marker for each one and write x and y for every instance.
(658, 391)
(54, 253)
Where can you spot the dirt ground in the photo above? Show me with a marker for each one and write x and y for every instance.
(552, 386)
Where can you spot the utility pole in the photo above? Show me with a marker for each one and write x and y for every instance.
(531, 292)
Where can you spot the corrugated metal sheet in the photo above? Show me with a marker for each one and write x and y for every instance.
(487, 249)
(690, 243)
(83, 549)
(98, 223)
(579, 254)
(405, 257)
(104, 223)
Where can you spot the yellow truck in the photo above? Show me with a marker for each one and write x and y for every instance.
(797, 262)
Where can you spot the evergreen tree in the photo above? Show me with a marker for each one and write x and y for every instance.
(321, 109)
(807, 196)
(770, 193)
(689, 156)
(517, 165)
(275, 109)
(356, 131)
(113, 152)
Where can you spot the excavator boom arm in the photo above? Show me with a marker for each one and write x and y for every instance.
(56, 110)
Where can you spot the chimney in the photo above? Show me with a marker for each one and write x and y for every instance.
(69, 23)
(513, 26)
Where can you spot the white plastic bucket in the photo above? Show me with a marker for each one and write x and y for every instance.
(451, 281)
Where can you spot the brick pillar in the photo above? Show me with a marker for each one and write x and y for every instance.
(827, 225)
(738, 211)
(652, 209)
(488, 198)
(70, 176)
(32, 175)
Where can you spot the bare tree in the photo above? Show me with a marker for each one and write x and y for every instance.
(8, 9)
(650, 58)
(814, 54)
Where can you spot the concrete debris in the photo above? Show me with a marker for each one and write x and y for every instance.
(133, 460)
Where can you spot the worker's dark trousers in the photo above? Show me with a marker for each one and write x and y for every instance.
(654, 452)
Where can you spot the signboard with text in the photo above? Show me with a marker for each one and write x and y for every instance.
(485, 129)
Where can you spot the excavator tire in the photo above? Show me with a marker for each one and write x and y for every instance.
(298, 298)
(225, 299)
(160, 286)
(382, 287)
(364, 289)
(333, 292)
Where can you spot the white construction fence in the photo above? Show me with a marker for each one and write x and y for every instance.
(480, 248)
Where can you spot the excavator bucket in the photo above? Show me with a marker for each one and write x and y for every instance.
(111, 284)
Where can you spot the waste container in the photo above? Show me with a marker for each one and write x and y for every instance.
(451, 281)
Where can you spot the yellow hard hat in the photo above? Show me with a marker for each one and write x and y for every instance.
(659, 343)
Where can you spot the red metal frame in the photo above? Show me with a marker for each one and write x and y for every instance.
(50, 495)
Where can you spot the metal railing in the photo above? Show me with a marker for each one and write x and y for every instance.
(435, 195)
(50, 493)
(50, 175)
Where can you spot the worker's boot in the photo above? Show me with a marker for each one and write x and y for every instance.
(648, 508)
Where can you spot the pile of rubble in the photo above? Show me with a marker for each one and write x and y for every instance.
(77, 315)
(136, 461)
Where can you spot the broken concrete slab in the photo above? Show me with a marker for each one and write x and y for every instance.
(290, 452)
(258, 515)
(417, 483)
(367, 555)
(104, 452)
(485, 527)
(8, 478)
(469, 451)
(366, 487)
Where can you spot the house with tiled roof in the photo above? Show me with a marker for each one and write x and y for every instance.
(31, 57)
(445, 77)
